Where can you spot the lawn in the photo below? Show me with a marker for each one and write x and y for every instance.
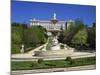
(29, 65)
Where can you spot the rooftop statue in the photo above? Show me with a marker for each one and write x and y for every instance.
(54, 16)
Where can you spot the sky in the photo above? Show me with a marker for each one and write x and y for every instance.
(23, 11)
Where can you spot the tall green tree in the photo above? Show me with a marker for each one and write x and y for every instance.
(16, 37)
(31, 37)
(35, 35)
(80, 39)
(72, 30)
(92, 36)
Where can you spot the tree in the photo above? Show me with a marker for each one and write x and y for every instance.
(92, 37)
(68, 34)
(71, 27)
(31, 37)
(68, 58)
(61, 37)
(94, 24)
(40, 60)
(80, 39)
(16, 37)
(72, 31)
(35, 36)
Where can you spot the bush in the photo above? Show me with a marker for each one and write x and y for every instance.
(50, 64)
(32, 65)
(68, 58)
(61, 46)
(40, 60)
(71, 62)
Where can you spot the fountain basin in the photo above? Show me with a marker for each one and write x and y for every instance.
(54, 53)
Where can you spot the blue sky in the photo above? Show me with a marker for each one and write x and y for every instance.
(22, 11)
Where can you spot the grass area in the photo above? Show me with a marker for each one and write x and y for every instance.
(29, 65)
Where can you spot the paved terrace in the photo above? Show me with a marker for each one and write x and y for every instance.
(28, 56)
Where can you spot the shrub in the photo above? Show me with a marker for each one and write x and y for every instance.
(32, 65)
(61, 46)
(71, 62)
(68, 58)
(40, 60)
(50, 64)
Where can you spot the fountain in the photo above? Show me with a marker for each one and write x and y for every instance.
(53, 48)
(55, 44)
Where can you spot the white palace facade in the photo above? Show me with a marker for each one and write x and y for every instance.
(49, 25)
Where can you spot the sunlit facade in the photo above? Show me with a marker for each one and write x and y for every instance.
(49, 25)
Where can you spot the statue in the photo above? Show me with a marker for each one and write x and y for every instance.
(22, 49)
(54, 16)
(55, 41)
